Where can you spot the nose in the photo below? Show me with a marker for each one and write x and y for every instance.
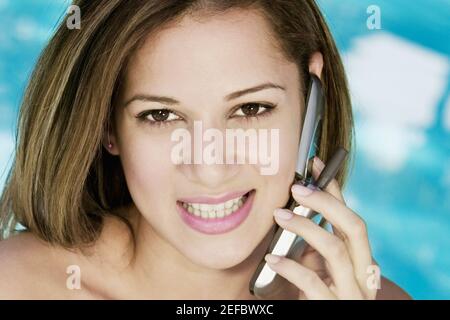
(212, 176)
(209, 167)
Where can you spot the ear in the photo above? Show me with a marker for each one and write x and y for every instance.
(110, 138)
(316, 64)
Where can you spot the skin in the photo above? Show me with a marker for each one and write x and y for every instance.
(172, 261)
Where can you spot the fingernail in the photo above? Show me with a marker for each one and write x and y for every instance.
(302, 191)
(318, 163)
(271, 258)
(283, 214)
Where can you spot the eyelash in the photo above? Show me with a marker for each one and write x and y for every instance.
(268, 110)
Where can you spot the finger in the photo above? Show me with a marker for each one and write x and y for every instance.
(334, 188)
(330, 247)
(303, 278)
(350, 225)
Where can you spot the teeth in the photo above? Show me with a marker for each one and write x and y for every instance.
(220, 213)
(229, 204)
(211, 211)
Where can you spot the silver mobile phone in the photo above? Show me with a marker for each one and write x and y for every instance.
(265, 283)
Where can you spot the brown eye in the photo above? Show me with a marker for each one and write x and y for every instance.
(253, 109)
(160, 115)
(250, 109)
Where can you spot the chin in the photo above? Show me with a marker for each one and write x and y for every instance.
(225, 252)
(220, 260)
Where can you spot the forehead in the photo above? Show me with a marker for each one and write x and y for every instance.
(219, 54)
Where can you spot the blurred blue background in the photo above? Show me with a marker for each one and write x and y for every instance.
(400, 85)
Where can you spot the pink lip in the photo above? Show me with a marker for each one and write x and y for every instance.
(214, 200)
(217, 225)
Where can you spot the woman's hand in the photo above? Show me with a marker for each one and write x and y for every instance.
(334, 265)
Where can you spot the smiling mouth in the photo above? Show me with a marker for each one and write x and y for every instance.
(218, 210)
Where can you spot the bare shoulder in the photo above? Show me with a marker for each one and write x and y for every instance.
(31, 269)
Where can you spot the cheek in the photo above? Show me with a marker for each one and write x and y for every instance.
(147, 167)
(291, 139)
(278, 185)
(288, 151)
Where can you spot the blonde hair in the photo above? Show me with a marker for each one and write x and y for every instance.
(62, 181)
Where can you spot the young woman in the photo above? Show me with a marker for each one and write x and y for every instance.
(94, 184)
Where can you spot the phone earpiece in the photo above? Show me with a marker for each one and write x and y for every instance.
(311, 128)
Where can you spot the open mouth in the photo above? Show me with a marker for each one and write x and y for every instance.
(220, 216)
(219, 210)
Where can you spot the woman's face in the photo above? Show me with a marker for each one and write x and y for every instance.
(199, 65)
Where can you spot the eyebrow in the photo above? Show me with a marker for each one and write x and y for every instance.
(229, 97)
